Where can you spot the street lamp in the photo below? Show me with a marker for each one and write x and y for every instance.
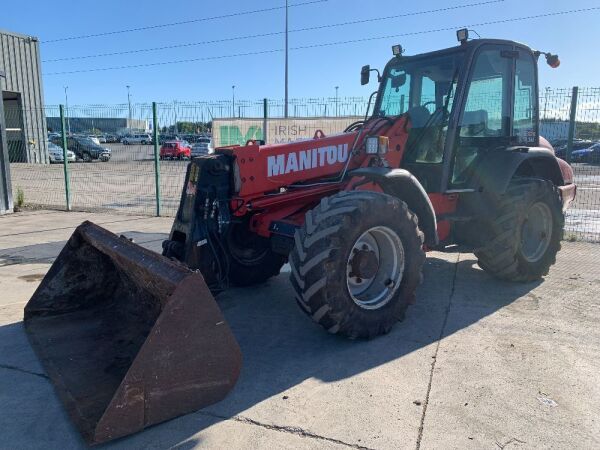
(233, 101)
(67, 109)
(336, 101)
(129, 102)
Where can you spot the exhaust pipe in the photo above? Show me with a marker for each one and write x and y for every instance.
(128, 338)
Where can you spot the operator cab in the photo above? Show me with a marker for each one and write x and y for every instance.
(463, 102)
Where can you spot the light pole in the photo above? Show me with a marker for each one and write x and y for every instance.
(336, 101)
(286, 60)
(129, 103)
(175, 113)
(233, 101)
(546, 100)
(67, 109)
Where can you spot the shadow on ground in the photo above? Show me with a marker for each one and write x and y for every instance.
(282, 348)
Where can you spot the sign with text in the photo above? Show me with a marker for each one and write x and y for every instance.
(279, 131)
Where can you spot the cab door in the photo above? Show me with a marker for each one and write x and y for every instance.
(498, 110)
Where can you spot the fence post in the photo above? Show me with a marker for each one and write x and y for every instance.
(265, 117)
(156, 158)
(63, 130)
(572, 118)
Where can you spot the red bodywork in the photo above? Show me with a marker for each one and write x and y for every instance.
(267, 174)
(175, 149)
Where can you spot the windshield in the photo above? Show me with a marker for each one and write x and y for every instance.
(421, 82)
(424, 88)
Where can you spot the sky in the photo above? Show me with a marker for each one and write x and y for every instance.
(313, 72)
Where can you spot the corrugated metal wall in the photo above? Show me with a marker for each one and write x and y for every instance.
(20, 60)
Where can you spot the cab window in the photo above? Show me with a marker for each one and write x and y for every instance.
(525, 102)
(485, 119)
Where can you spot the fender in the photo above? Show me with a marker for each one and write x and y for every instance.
(402, 184)
(499, 167)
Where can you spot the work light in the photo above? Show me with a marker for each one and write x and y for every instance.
(462, 35)
(377, 144)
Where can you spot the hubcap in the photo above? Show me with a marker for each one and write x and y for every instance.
(536, 232)
(375, 267)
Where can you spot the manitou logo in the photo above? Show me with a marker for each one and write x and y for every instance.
(306, 159)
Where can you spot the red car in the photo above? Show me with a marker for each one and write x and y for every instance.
(175, 149)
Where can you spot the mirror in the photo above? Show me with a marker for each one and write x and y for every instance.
(398, 80)
(552, 60)
(365, 74)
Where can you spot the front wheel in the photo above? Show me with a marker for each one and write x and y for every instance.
(251, 260)
(357, 263)
(524, 236)
(87, 157)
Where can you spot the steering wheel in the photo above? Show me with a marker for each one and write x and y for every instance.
(432, 102)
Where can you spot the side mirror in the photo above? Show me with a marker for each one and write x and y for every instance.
(552, 60)
(365, 75)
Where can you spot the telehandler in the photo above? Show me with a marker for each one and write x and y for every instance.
(449, 153)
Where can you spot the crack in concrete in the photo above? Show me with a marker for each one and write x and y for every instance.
(19, 369)
(437, 348)
(285, 429)
(510, 441)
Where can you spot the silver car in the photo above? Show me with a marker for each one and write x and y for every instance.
(202, 147)
(55, 154)
(137, 139)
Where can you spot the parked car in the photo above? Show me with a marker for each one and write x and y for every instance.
(53, 135)
(578, 144)
(85, 149)
(137, 139)
(587, 155)
(93, 138)
(202, 147)
(102, 139)
(55, 154)
(175, 149)
(162, 138)
(111, 138)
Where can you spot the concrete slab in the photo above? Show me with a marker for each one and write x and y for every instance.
(517, 364)
(525, 375)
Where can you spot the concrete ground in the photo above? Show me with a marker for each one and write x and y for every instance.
(477, 363)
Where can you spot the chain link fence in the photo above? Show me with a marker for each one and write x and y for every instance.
(115, 166)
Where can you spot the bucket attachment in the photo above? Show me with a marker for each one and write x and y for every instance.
(129, 338)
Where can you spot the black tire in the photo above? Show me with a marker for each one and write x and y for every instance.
(504, 255)
(319, 261)
(87, 157)
(251, 260)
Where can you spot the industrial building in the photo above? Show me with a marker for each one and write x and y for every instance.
(113, 125)
(23, 98)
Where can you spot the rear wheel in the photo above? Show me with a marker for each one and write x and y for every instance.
(524, 236)
(87, 157)
(357, 263)
(251, 260)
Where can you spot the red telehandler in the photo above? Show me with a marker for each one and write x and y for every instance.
(449, 153)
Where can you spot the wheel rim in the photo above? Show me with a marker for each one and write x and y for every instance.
(536, 232)
(375, 267)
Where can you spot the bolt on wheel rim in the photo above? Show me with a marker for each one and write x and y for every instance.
(536, 232)
(375, 267)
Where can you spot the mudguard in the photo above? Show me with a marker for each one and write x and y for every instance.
(402, 184)
(496, 170)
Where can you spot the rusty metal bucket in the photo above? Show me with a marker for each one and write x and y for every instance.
(129, 338)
